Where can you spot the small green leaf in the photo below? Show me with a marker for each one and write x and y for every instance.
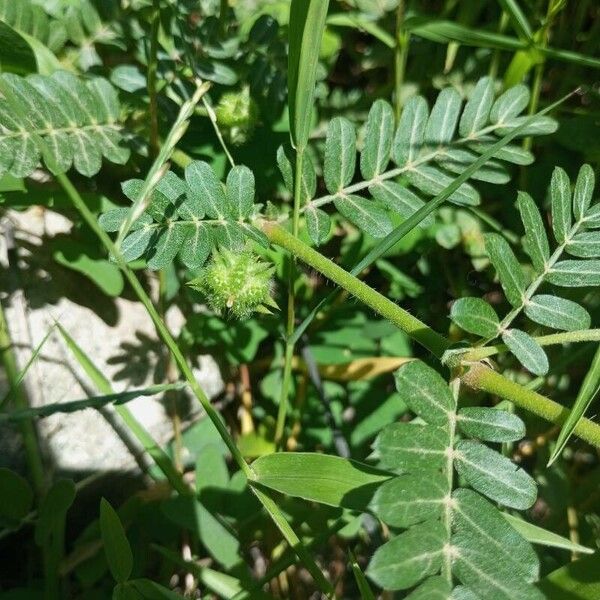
(399, 199)
(584, 189)
(196, 246)
(507, 266)
(409, 499)
(240, 191)
(408, 447)
(116, 547)
(536, 240)
(318, 224)
(584, 245)
(476, 518)
(340, 154)
(575, 273)
(425, 392)
(587, 393)
(361, 581)
(166, 243)
(475, 316)
(365, 214)
(461, 592)
(442, 122)
(408, 558)
(490, 424)
(494, 475)
(53, 510)
(319, 478)
(558, 313)
(206, 189)
(560, 193)
(379, 133)
(434, 588)
(527, 351)
(16, 499)
(510, 104)
(477, 110)
(410, 134)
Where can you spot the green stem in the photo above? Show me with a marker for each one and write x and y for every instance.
(553, 339)
(151, 79)
(485, 379)
(400, 56)
(477, 376)
(418, 330)
(30, 440)
(291, 308)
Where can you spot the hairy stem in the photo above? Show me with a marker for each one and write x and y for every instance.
(477, 376)
(291, 308)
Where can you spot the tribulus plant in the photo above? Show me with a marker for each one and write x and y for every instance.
(326, 198)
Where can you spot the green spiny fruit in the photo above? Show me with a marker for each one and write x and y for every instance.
(236, 282)
(237, 113)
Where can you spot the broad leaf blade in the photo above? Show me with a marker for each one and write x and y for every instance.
(116, 547)
(340, 154)
(575, 273)
(365, 214)
(560, 193)
(507, 266)
(558, 313)
(490, 424)
(527, 351)
(584, 189)
(536, 240)
(379, 133)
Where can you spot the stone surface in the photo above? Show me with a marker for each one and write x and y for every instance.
(116, 333)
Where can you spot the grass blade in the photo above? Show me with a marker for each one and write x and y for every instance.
(307, 23)
(588, 391)
(361, 581)
(517, 18)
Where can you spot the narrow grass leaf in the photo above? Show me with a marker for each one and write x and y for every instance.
(587, 393)
(433, 181)
(517, 18)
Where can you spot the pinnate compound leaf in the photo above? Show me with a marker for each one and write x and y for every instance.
(482, 521)
(318, 224)
(411, 447)
(409, 499)
(536, 240)
(425, 392)
(560, 193)
(558, 313)
(365, 214)
(475, 316)
(379, 133)
(408, 558)
(507, 266)
(116, 546)
(527, 351)
(490, 424)
(340, 154)
(584, 189)
(494, 475)
(320, 478)
(575, 273)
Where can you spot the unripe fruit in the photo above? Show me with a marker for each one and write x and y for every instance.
(237, 114)
(237, 283)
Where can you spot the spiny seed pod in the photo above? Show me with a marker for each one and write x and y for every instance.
(237, 113)
(236, 283)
